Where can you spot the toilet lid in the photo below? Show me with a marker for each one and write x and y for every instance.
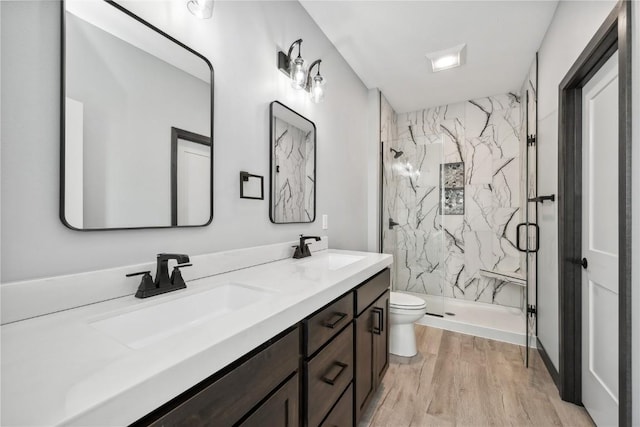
(399, 299)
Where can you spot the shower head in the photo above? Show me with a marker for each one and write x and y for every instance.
(396, 153)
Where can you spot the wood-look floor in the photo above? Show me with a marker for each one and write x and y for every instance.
(461, 380)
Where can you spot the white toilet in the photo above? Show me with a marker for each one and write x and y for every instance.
(404, 310)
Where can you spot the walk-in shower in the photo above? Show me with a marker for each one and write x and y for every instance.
(456, 211)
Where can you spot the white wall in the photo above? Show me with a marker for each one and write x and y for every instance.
(241, 41)
(373, 172)
(574, 24)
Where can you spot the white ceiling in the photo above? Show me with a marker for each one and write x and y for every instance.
(385, 43)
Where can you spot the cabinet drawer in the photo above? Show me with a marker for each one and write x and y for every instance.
(281, 409)
(342, 414)
(370, 290)
(325, 324)
(327, 375)
(227, 400)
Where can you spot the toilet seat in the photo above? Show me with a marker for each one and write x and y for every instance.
(404, 301)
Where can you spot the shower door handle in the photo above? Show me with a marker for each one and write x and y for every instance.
(518, 227)
(537, 242)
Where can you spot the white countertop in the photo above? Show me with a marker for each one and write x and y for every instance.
(60, 370)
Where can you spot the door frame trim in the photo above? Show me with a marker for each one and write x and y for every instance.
(614, 35)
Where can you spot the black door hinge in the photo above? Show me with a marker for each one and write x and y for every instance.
(531, 310)
(531, 140)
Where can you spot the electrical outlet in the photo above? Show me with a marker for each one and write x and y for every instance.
(325, 222)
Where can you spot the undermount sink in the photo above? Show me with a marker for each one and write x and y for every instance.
(336, 261)
(147, 325)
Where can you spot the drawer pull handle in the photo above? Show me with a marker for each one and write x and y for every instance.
(379, 328)
(332, 381)
(329, 324)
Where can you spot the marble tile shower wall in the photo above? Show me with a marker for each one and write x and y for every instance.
(442, 254)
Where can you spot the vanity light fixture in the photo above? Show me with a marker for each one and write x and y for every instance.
(447, 58)
(203, 9)
(296, 68)
(315, 84)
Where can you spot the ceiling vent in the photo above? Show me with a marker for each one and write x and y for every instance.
(447, 58)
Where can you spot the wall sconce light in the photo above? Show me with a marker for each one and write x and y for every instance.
(315, 84)
(203, 9)
(296, 70)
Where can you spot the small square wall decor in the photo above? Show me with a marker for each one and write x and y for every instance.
(452, 188)
(453, 201)
(453, 175)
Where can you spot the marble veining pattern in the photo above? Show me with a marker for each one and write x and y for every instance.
(441, 254)
(294, 178)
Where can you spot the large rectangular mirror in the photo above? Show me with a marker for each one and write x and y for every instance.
(137, 125)
(292, 193)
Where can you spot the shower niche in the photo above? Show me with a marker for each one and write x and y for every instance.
(452, 188)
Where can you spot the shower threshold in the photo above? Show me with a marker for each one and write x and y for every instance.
(496, 322)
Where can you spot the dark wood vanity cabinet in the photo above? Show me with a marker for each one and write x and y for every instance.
(321, 372)
(264, 382)
(342, 413)
(328, 359)
(281, 409)
(366, 308)
(381, 338)
(371, 339)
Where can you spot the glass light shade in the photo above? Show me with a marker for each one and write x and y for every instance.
(203, 9)
(316, 91)
(298, 73)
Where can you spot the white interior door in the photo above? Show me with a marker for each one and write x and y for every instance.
(194, 183)
(600, 245)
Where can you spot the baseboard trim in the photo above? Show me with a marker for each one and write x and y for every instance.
(548, 363)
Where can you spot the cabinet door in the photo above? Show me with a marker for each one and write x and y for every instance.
(342, 414)
(381, 337)
(364, 379)
(281, 409)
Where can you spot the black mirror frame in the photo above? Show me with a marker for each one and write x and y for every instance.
(62, 119)
(315, 165)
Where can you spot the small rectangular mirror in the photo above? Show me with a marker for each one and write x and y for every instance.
(292, 192)
(137, 123)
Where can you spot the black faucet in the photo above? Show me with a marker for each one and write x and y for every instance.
(302, 250)
(163, 283)
(162, 269)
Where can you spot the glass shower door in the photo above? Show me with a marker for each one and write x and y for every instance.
(412, 221)
(528, 236)
(533, 231)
